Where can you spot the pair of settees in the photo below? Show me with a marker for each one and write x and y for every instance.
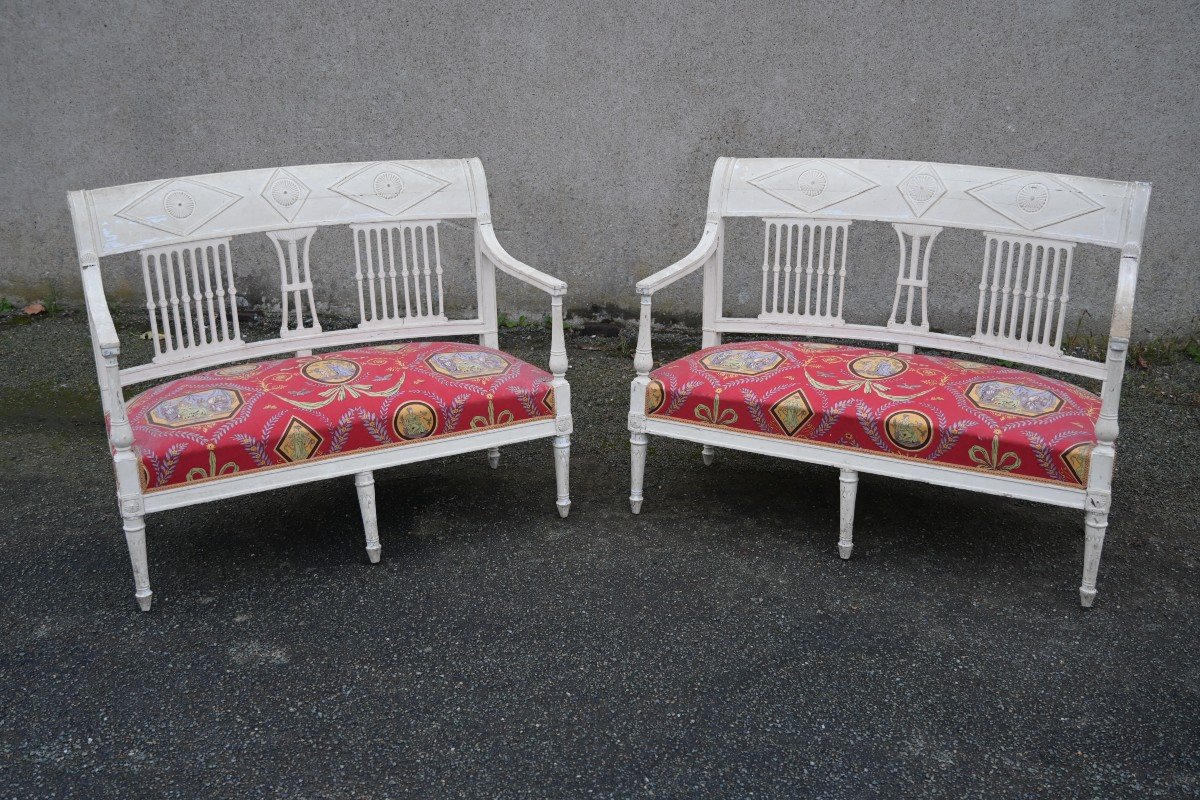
(227, 417)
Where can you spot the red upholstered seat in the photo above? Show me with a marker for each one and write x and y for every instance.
(952, 411)
(273, 413)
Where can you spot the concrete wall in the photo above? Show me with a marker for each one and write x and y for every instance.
(599, 122)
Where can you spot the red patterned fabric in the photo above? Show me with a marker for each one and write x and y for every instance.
(948, 410)
(272, 413)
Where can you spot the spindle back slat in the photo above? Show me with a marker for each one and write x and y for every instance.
(377, 249)
(189, 307)
(804, 268)
(1023, 292)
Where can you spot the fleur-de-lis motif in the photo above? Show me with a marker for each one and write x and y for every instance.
(341, 391)
(713, 415)
(199, 473)
(492, 419)
(994, 460)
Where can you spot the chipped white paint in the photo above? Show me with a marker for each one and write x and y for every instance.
(183, 230)
(1023, 296)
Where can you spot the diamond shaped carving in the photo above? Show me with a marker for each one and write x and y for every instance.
(921, 188)
(812, 185)
(389, 186)
(179, 206)
(285, 193)
(1034, 201)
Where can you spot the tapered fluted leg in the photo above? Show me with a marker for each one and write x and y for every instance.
(493, 457)
(708, 453)
(849, 491)
(135, 537)
(637, 472)
(365, 483)
(562, 473)
(1096, 526)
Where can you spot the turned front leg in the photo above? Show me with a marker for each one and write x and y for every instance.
(849, 492)
(365, 483)
(135, 538)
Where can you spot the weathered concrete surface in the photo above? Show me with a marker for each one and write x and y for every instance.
(599, 121)
(714, 646)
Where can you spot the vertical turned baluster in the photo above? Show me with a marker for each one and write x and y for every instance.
(808, 270)
(1062, 306)
(1033, 334)
(820, 273)
(163, 313)
(766, 263)
(1006, 286)
(775, 270)
(189, 256)
(358, 273)
(1051, 299)
(404, 270)
(787, 268)
(374, 271)
(831, 266)
(1003, 251)
(173, 284)
(1023, 255)
(392, 271)
(150, 304)
(202, 264)
(990, 248)
(842, 271)
(222, 250)
(427, 271)
(437, 253)
(799, 268)
(369, 249)
(383, 289)
(1035, 259)
(216, 271)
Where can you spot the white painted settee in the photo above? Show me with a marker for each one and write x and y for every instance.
(239, 416)
(940, 419)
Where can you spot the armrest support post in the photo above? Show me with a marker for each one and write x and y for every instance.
(558, 368)
(106, 348)
(643, 362)
(643, 358)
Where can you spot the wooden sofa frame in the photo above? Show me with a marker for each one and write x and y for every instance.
(199, 215)
(1012, 208)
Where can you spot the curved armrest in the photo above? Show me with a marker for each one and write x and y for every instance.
(104, 333)
(686, 265)
(506, 263)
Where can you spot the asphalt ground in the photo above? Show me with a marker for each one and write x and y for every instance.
(714, 646)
